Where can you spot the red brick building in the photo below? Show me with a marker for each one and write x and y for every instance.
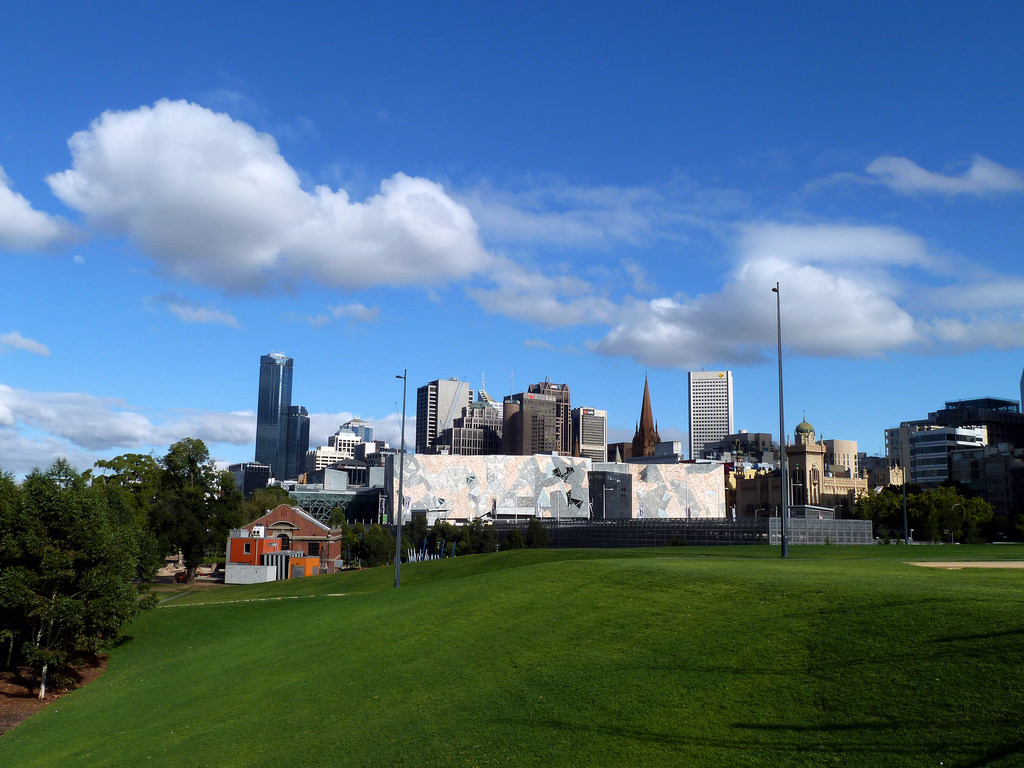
(300, 532)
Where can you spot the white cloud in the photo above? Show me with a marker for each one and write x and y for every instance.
(24, 228)
(556, 213)
(102, 423)
(189, 311)
(836, 297)
(538, 344)
(356, 313)
(983, 177)
(521, 294)
(211, 199)
(15, 340)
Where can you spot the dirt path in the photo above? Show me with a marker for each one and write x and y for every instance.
(956, 565)
(19, 691)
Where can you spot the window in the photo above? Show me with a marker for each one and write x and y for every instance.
(313, 549)
(247, 548)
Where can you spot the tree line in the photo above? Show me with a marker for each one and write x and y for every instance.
(78, 550)
(936, 514)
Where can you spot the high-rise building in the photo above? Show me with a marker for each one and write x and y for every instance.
(710, 408)
(529, 424)
(282, 429)
(646, 436)
(563, 412)
(250, 476)
(274, 400)
(931, 452)
(590, 433)
(437, 404)
(362, 429)
(477, 432)
(296, 441)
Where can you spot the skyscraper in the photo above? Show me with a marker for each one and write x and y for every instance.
(274, 400)
(590, 433)
(296, 442)
(282, 429)
(563, 412)
(710, 408)
(438, 402)
(529, 424)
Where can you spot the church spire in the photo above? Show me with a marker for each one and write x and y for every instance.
(646, 436)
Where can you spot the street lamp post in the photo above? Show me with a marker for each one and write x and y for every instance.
(401, 490)
(906, 530)
(782, 430)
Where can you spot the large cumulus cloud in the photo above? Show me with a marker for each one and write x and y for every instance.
(212, 200)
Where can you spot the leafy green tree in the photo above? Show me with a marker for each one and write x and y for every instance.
(942, 512)
(537, 534)
(514, 540)
(130, 482)
(377, 546)
(68, 565)
(263, 500)
(195, 505)
(884, 509)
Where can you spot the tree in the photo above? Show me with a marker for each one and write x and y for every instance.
(944, 512)
(377, 546)
(263, 500)
(195, 505)
(68, 565)
(537, 534)
(130, 483)
(514, 540)
(884, 509)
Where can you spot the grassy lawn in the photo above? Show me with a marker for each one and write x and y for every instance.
(675, 656)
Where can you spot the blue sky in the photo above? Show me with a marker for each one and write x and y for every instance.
(587, 193)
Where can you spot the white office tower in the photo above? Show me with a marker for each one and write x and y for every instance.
(438, 403)
(710, 408)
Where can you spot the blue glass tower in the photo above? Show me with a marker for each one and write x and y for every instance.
(275, 400)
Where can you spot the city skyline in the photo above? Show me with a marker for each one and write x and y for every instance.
(581, 194)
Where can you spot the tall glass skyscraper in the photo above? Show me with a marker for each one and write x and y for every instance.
(272, 411)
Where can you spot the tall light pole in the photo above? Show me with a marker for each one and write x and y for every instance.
(782, 431)
(401, 490)
(906, 530)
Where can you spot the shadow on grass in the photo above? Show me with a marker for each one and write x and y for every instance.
(981, 636)
(767, 739)
(1005, 751)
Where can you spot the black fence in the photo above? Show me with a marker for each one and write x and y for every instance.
(646, 533)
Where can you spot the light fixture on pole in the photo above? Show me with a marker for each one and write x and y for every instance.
(782, 432)
(401, 497)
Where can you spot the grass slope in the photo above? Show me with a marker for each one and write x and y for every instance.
(689, 656)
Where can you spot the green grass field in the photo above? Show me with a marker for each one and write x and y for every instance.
(676, 656)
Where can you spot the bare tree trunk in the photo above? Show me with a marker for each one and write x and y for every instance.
(10, 651)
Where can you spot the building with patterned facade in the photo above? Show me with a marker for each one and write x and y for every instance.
(467, 488)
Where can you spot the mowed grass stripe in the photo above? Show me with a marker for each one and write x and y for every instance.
(651, 657)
